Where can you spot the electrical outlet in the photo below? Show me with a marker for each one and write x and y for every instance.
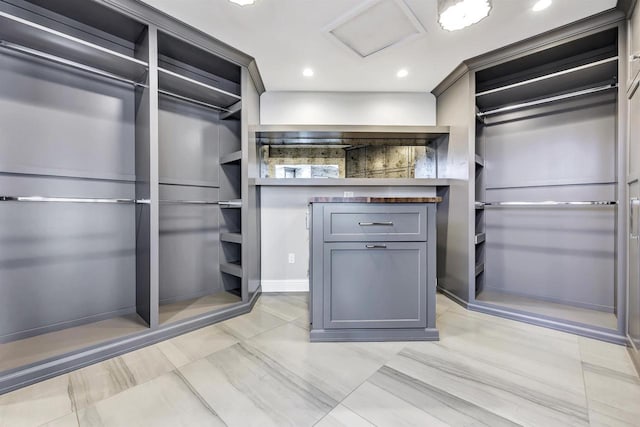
(292, 258)
(348, 194)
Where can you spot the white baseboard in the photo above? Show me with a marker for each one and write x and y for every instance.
(285, 286)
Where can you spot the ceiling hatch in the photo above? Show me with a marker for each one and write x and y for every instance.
(375, 26)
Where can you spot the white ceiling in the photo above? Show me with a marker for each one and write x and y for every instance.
(286, 36)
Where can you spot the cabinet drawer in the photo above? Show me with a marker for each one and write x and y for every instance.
(368, 222)
(375, 285)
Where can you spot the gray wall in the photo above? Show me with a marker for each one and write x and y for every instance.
(566, 255)
(64, 263)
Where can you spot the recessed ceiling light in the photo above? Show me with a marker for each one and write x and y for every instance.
(402, 73)
(243, 2)
(541, 5)
(307, 72)
(458, 14)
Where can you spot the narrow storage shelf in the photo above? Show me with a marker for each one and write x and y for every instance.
(479, 238)
(479, 161)
(25, 36)
(230, 158)
(232, 268)
(479, 269)
(231, 237)
(175, 84)
(590, 75)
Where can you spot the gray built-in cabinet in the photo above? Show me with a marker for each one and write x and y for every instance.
(536, 228)
(372, 271)
(633, 186)
(126, 211)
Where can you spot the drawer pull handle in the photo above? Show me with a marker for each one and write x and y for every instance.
(376, 223)
(376, 246)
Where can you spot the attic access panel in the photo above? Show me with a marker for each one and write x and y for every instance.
(376, 26)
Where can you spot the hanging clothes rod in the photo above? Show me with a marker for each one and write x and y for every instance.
(547, 100)
(62, 61)
(188, 202)
(552, 203)
(40, 199)
(193, 101)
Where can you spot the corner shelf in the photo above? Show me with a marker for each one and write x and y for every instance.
(231, 237)
(580, 77)
(176, 84)
(231, 158)
(232, 268)
(27, 35)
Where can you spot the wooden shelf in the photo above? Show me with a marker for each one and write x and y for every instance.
(60, 46)
(195, 90)
(231, 158)
(232, 268)
(585, 76)
(231, 237)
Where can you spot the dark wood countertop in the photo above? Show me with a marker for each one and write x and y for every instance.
(375, 200)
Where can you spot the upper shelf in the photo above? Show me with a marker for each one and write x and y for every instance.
(323, 134)
(600, 72)
(195, 90)
(27, 34)
(349, 182)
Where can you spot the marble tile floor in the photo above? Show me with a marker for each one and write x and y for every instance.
(260, 370)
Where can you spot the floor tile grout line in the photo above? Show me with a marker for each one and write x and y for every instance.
(584, 382)
(341, 402)
(198, 395)
(274, 313)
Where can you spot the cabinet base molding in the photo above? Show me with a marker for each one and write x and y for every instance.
(53, 367)
(338, 335)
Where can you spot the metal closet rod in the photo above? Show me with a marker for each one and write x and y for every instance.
(193, 101)
(547, 100)
(62, 61)
(41, 199)
(188, 202)
(68, 200)
(553, 203)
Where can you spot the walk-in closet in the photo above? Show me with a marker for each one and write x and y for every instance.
(120, 182)
(546, 161)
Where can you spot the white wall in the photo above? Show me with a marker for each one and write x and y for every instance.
(348, 108)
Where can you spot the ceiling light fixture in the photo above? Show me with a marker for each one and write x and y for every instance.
(307, 72)
(458, 14)
(541, 5)
(402, 73)
(243, 2)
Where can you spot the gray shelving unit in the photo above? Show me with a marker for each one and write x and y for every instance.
(541, 122)
(122, 234)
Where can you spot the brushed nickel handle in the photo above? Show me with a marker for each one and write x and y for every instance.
(376, 246)
(375, 223)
